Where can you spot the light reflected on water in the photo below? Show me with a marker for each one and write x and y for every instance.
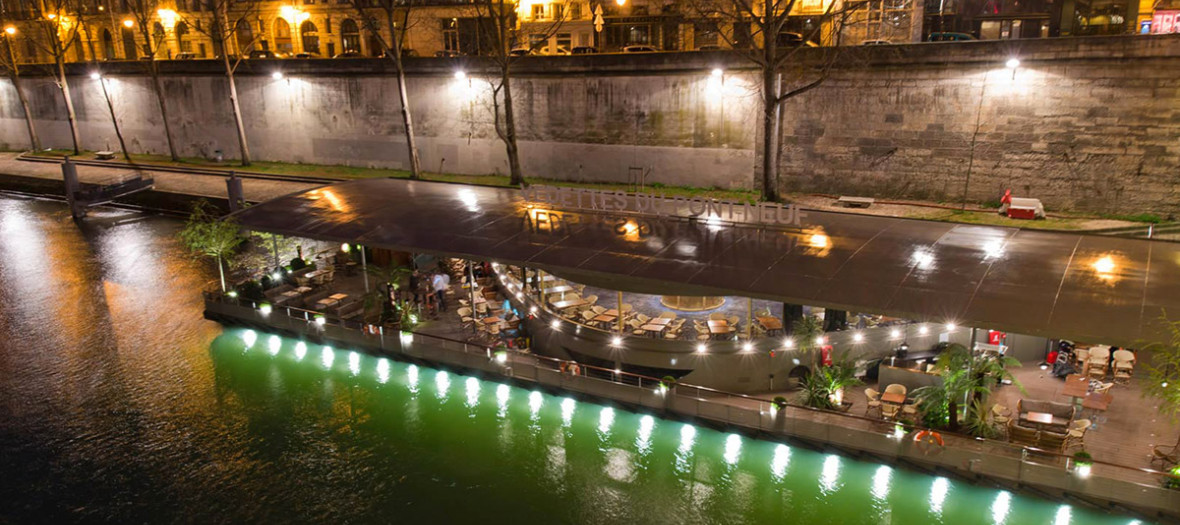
(412, 379)
(881, 482)
(327, 357)
(938, 491)
(249, 337)
(643, 437)
(382, 370)
(274, 344)
(471, 387)
(830, 474)
(567, 411)
(1063, 515)
(782, 460)
(503, 392)
(300, 350)
(1001, 506)
(442, 383)
(354, 363)
(535, 402)
(606, 418)
(733, 448)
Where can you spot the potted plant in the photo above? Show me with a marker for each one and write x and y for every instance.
(1082, 462)
(666, 383)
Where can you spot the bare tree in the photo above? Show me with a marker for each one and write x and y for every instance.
(106, 95)
(10, 64)
(145, 14)
(397, 18)
(768, 44)
(228, 15)
(497, 22)
(56, 24)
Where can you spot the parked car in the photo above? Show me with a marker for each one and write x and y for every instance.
(184, 56)
(788, 39)
(640, 49)
(876, 43)
(558, 51)
(262, 54)
(949, 37)
(349, 54)
(520, 52)
(447, 54)
(304, 55)
(584, 50)
(709, 47)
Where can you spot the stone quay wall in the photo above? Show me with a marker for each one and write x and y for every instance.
(1083, 123)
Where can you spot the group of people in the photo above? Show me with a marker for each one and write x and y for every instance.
(430, 289)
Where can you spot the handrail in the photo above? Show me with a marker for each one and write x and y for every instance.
(1020, 450)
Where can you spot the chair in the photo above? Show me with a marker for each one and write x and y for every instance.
(910, 408)
(1124, 366)
(590, 300)
(896, 388)
(1001, 415)
(1081, 356)
(1052, 441)
(587, 315)
(634, 324)
(1099, 361)
(643, 318)
(889, 410)
(598, 310)
(733, 320)
(874, 398)
(626, 308)
(715, 316)
(1077, 433)
(1022, 435)
(465, 316)
(1103, 388)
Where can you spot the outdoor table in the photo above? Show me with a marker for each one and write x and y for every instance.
(1076, 386)
(562, 305)
(662, 321)
(332, 300)
(718, 327)
(1041, 418)
(491, 320)
(561, 289)
(893, 398)
(1096, 401)
(771, 324)
(653, 328)
(612, 312)
(303, 289)
(604, 318)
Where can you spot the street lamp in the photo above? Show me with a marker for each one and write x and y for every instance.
(460, 75)
(128, 23)
(277, 75)
(95, 76)
(1012, 63)
(11, 30)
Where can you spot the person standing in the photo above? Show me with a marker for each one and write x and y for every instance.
(441, 282)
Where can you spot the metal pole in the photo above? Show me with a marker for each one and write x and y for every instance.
(471, 293)
(364, 268)
(620, 318)
(275, 238)
(749, 317)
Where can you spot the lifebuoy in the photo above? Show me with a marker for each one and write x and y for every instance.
(927, 439)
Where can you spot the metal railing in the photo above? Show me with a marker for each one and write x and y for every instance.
(881, 437)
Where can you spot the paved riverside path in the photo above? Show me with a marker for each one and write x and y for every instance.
(256, 190)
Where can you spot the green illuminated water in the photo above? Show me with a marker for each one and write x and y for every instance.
(119, 403)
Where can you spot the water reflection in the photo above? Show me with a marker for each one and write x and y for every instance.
(881, 483)
(938, 492)
(327, 356)
(442, 383)
(643, 438)
(1000, 507)
(472, 389)
(782, 460)
(733, 448)
(830, 474)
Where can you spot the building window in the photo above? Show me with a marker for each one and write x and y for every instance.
(283, 43)
(575, 11)
(563, 42)
(309, 37)
(185, 45)
(741, 35)
(350, 36)
(704, 34)
(558, 12)
(108, 45)
(538, 11)
(245, 37)
(451, 34)
(129, 49)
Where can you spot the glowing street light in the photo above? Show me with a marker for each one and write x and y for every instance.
(128, 23)
(277, 75)
(1012, 63)
(717, 72)
(11, 30)
(460, 75)
(95, 76)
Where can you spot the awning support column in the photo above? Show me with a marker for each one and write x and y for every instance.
(364, 268)
(749, 318)
(620, 310)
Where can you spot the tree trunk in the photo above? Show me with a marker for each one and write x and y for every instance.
(395, 54)
(221, 272)
(34, 141)
(114, 121)
(65, 93)
(517, 177)
(771, 84)
(243, 146)
(953, 408)
(158, 86)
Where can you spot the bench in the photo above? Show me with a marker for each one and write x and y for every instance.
(855, 202)
(104, 155)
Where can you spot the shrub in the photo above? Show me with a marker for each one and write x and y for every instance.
(298, 264)
(780, 401)
(1082, 458)
(251, 290)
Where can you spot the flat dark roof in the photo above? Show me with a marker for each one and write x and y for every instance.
(1064, 285)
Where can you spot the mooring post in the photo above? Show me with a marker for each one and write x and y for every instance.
(233, 187)
(69, 174)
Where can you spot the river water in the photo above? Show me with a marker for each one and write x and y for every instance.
(119, 402)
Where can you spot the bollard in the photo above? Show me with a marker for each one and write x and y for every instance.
(69, 174)
(234, 193)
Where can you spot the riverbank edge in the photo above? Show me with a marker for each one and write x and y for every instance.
(1052, 482)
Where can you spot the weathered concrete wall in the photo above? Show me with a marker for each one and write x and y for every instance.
(1089, 124)
(592, 128)
(1084, 123)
